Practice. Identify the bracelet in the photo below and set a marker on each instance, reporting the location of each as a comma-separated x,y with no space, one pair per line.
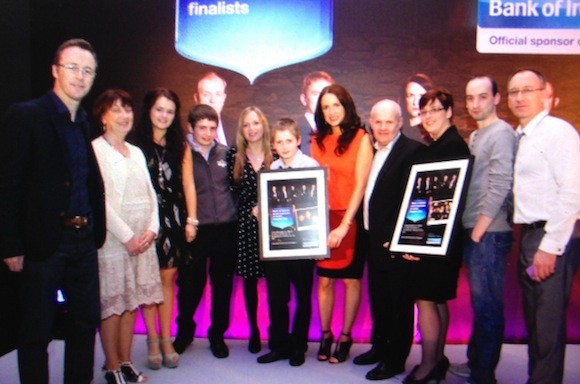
192,221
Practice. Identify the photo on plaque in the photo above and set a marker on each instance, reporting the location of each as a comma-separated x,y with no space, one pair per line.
293,214
430,205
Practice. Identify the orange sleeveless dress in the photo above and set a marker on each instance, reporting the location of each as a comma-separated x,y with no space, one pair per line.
340,186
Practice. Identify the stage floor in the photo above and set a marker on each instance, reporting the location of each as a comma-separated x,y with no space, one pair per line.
199,366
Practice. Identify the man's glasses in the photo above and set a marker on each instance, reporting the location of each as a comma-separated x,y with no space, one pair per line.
75,69
428,112
524,91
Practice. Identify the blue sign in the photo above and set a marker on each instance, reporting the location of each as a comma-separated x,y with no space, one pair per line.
529,27
418,210
254,36
281,217
545,14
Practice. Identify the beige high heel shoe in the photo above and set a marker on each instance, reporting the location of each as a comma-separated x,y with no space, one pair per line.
170,360
154,361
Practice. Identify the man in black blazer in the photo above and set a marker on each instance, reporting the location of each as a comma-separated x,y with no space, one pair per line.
312,84
211,90
53,216
391,306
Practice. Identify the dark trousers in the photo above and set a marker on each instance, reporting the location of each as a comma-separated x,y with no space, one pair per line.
216,243
392,312
390,303
280,274
545,306
74,269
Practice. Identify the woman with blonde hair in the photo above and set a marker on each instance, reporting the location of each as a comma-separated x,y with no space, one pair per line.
251,154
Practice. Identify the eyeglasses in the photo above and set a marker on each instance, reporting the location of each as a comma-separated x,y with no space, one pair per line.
75,69
525,91
432,111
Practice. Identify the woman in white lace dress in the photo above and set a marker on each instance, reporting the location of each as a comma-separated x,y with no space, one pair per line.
128,264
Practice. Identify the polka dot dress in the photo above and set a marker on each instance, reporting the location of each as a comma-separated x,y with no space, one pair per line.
248,260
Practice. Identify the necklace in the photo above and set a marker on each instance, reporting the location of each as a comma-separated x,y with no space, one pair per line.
160,160
255,160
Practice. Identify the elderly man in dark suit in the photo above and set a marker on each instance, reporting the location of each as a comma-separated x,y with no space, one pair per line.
391,305
53,216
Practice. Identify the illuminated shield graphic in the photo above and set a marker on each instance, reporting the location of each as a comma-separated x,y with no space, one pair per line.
254,36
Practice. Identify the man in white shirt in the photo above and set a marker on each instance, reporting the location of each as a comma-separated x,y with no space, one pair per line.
211,90
546,203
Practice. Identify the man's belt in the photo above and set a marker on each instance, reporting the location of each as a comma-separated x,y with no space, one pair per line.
534,225
76,222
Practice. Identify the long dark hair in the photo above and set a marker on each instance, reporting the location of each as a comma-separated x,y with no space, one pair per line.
419,78
349,126
143,135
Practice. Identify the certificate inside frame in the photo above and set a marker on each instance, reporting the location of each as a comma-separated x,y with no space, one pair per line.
428,213
293,221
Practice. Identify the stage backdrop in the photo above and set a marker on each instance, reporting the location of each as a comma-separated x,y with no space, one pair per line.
369,46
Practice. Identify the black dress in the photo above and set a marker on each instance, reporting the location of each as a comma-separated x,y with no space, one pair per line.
166,179
248,262
435,278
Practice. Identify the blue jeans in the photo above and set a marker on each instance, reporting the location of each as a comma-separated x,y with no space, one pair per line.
485,262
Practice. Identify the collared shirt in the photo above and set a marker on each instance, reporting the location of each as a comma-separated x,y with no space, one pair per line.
547,179
300,160
379,159
76,155
221,134
493,147
196,147
310,118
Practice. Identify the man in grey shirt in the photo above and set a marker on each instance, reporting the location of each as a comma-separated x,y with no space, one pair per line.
488,235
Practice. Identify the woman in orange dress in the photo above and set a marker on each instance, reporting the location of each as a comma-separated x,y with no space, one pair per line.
344,147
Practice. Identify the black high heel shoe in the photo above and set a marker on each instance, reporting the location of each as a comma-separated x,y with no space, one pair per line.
437,373
255,344
325,345
131,373
114,377
342,349
443,365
